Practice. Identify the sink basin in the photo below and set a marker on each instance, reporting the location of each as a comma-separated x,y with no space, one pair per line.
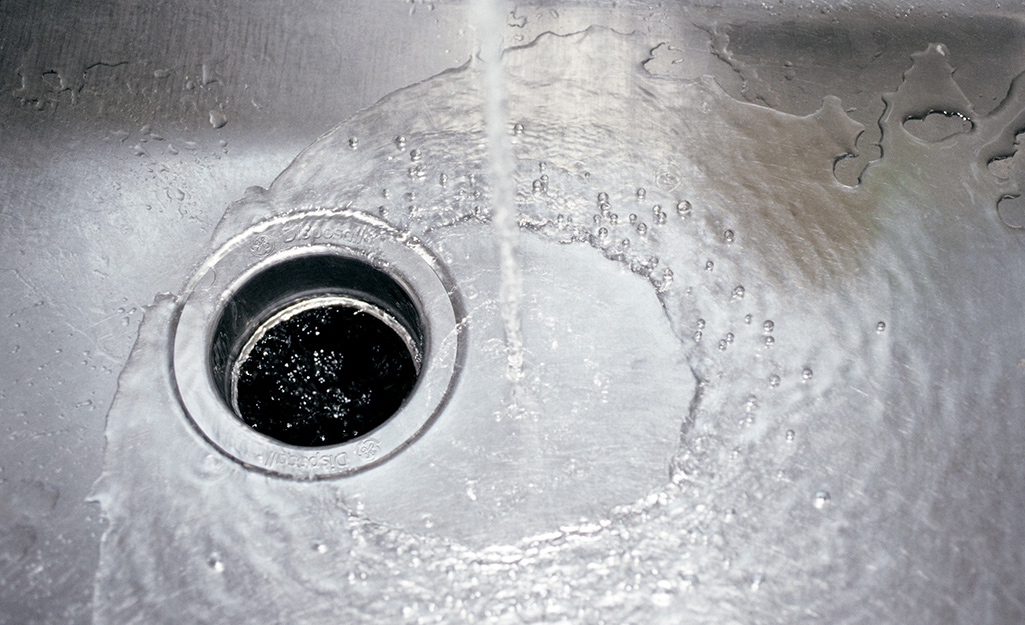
714,311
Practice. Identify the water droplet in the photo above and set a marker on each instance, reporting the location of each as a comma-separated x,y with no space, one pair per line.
633,218
806,374
729,515
738,292
641,228
415,155
722,345
518,129
727,237
768,326
626,243
400,142
443,179
747,319
613,218
769,341
709,265
697,336
538,187
729,337
353,142
216,564
790,435
701,324
603,232
641,193
881,327
218,119
603,198
821,499
321,548
773,380
756,581
683,208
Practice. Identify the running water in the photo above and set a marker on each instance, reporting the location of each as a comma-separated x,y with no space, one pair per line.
701,288
504,219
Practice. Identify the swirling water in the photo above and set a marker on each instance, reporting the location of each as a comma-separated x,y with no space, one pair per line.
848,370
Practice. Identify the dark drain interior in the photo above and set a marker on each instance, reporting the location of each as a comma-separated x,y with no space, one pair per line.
317,350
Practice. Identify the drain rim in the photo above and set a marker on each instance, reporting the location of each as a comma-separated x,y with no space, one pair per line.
345,234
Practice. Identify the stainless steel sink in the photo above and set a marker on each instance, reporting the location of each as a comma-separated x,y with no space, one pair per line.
760,356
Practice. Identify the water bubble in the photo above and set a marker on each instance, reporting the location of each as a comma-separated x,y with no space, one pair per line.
821,499
604,207
790,435
701,324
632,218
400,142
729,337
415,155
641,228
697,336
353,142
806,374
518,129
727,237
683,207
738,292
709,265
881,327
768,326
769,341
722,345
613,218
773,380
641,193
747,319
603,198
626,243
538,187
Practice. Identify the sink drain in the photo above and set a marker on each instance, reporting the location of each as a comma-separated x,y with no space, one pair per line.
315,345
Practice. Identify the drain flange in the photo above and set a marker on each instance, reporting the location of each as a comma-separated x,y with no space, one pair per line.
317,344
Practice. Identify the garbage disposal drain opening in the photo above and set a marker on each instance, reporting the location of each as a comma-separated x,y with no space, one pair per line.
317,350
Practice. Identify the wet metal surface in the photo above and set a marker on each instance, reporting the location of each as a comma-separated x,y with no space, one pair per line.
888,432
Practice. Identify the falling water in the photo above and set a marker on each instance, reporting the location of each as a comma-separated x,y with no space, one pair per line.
490,14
